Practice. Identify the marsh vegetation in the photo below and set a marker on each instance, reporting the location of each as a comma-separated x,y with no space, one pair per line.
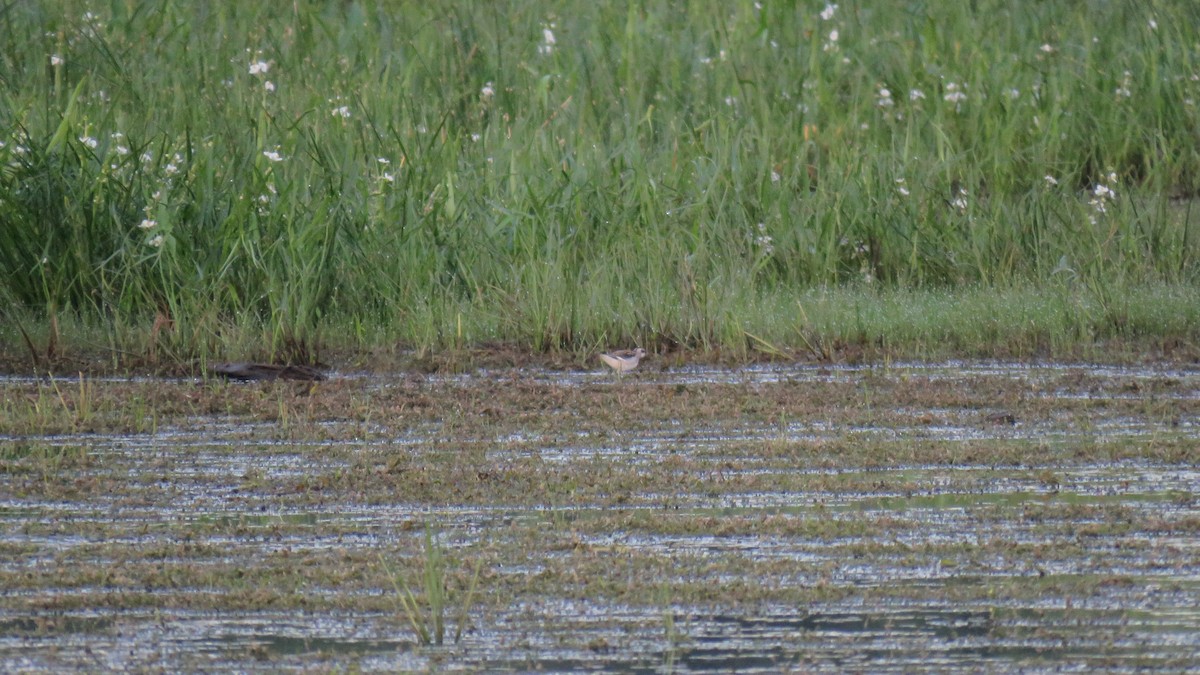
799,210
188,181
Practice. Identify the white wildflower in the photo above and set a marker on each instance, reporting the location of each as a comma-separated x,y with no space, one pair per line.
269,86
342,111
273,155
1047,48
1101,196
953,94
764,241
56,60
89,141
156,241
548,41
916,95
1126,81
831,44
827,13
885,98
488,90
148,224
259,67
1050,180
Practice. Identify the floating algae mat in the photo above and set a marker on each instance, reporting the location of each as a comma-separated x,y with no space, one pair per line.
977,516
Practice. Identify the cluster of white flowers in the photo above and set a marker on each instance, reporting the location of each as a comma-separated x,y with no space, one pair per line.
1102,195
149,223
1126,82
385,175
261,67
885,98
266,199
901,187
548,40
959,200
954,93
831,44
764,242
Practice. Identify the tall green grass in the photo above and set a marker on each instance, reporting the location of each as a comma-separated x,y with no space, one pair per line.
561,175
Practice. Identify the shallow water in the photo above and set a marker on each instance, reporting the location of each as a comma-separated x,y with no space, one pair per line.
722,544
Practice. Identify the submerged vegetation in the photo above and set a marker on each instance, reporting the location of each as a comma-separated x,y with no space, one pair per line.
775,518
189,179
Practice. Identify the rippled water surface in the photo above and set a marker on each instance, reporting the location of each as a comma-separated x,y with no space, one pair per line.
978,516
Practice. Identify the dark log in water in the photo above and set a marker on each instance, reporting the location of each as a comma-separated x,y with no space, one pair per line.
247,372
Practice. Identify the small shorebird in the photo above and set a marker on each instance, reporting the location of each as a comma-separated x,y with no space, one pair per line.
624,360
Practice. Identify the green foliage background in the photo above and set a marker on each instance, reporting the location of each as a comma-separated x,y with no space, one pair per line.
562,175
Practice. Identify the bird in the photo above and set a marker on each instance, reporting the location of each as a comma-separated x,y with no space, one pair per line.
624,360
